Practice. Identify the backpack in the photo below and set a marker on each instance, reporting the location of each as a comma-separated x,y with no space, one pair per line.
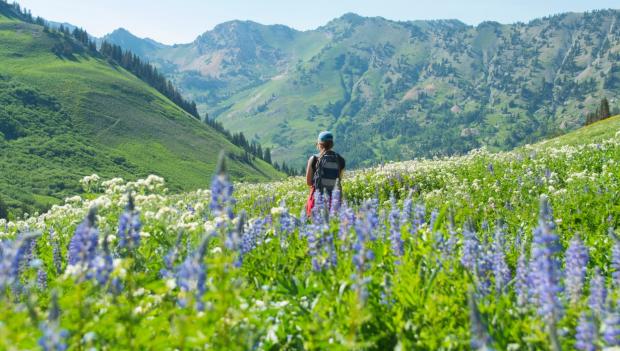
326,172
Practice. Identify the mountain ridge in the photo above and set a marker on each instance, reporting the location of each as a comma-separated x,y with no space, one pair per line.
403,89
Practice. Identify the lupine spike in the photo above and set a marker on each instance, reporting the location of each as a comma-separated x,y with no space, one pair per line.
405,217
521,283
335,199
576,263
545,267
83,245
615,258
611,328
55,251
501,271
221,190
129,226
586,334
395,236
598,294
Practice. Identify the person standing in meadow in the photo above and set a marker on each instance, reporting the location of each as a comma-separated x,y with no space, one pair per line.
324,170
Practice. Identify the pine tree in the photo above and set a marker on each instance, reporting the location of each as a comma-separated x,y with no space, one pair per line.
4,211
267,155
604,109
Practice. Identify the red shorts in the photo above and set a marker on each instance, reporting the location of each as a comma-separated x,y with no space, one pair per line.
310,202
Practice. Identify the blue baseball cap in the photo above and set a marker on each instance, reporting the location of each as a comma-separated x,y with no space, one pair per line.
325,136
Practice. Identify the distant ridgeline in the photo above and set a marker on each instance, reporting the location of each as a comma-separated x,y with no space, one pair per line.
397,89
146,72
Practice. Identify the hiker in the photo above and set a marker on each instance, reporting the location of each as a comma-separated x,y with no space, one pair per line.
324,171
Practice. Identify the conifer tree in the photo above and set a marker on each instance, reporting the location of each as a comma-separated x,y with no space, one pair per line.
604,109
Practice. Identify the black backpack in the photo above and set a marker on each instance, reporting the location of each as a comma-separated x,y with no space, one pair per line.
326,172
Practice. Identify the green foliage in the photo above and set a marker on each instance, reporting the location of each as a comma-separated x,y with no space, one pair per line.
73,114
602,112
276,300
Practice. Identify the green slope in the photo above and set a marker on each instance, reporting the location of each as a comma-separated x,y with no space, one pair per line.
593,133
68,116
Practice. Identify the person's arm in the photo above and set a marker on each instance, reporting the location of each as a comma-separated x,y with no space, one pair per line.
309,172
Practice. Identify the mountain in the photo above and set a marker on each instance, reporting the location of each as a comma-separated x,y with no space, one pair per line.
58,25
398,90
68,112
139,46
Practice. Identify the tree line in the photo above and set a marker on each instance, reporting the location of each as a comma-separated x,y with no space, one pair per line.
601,113
150,75
253,148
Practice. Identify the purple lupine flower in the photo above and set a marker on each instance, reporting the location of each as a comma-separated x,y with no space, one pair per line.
611,328
521,279
303,217
471,248
251,236
12,255
314,231
41,278
287,221
362,253
314,242
484,268
395,235
222,190
319,213
405,216
615,258
586,334
598,294
576,264
54,337
83,244
370,210
191,276
433,221
335,200
129,227
56,255
419,215
480,338
347,219
450,244
501,272
382,230
102,265
545,267
490,168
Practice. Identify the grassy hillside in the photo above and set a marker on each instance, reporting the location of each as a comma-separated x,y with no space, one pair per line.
516,250
398,90
67,116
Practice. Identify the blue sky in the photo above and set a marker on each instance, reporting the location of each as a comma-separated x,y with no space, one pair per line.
180,21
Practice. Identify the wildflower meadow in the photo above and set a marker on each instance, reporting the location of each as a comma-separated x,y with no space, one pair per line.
508,251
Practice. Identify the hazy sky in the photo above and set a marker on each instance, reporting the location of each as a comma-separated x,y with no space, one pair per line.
180,21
